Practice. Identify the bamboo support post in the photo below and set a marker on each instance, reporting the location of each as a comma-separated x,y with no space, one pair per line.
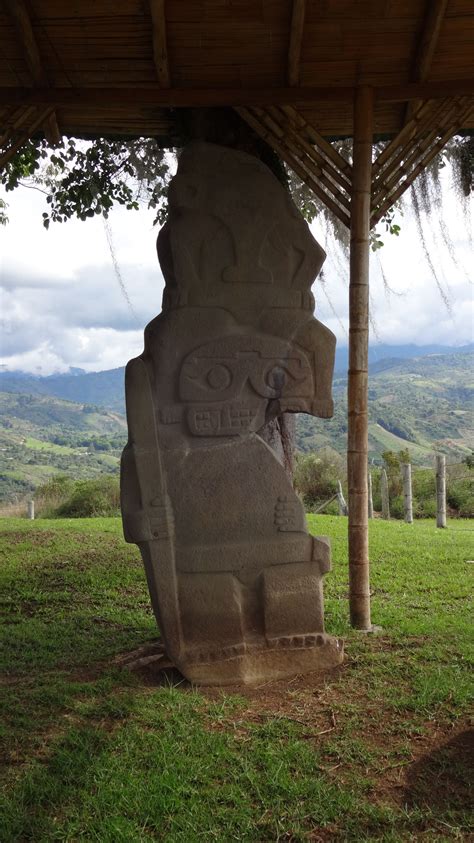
407,493
359,585
370,501
385,495
440,490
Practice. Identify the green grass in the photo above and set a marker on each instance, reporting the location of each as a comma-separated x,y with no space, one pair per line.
42,445
374,752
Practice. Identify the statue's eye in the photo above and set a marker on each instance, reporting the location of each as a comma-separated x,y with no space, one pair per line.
219,377
276,378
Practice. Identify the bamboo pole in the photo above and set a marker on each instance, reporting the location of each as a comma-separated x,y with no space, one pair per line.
341,500
357,432
370,501
440,490
407,493
384,495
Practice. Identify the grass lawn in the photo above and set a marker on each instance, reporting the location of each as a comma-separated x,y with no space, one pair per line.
376,751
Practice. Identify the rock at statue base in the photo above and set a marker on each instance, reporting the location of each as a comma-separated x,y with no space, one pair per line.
234,577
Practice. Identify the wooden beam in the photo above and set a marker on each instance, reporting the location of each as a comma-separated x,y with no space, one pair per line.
429,39
160,48
209,97
296,40
21,20
426,48
357,430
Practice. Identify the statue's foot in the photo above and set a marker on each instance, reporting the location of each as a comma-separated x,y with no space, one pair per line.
252,664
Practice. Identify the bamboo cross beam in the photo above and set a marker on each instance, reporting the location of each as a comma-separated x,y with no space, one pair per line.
315,138
409,156
423,116
313,152
42,115
427,158
14,122
429,128
309,156
294,162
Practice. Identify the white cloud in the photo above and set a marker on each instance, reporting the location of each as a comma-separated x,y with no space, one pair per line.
62,304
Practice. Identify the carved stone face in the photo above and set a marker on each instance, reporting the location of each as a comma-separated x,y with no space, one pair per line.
229,383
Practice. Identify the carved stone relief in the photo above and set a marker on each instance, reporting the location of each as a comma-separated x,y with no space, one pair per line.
234,577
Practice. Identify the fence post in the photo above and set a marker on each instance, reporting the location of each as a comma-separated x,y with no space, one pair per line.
340,499
384,495
407,494
440,490
31,510
370,500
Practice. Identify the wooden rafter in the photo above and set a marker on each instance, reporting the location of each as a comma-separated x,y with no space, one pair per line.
160,48
21,20
426,47
296,41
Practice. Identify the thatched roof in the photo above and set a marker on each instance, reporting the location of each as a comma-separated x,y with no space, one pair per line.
118,66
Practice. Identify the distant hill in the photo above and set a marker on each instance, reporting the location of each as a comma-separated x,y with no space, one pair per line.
41,436
380,352
421,403
106,389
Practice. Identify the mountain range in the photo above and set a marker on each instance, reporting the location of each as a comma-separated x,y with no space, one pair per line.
106,389
74,424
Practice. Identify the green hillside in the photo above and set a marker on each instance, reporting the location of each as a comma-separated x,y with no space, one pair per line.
421,404
42,436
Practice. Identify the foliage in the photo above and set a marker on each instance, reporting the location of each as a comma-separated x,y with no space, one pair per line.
91,752
91,499
316,475
84,179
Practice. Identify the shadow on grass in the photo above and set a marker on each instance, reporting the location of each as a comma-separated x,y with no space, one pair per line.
442,780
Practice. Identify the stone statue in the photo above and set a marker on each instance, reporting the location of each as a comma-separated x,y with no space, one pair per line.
235,579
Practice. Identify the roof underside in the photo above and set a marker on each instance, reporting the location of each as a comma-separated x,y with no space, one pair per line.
243,45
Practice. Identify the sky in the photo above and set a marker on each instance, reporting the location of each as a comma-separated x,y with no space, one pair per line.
63,306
